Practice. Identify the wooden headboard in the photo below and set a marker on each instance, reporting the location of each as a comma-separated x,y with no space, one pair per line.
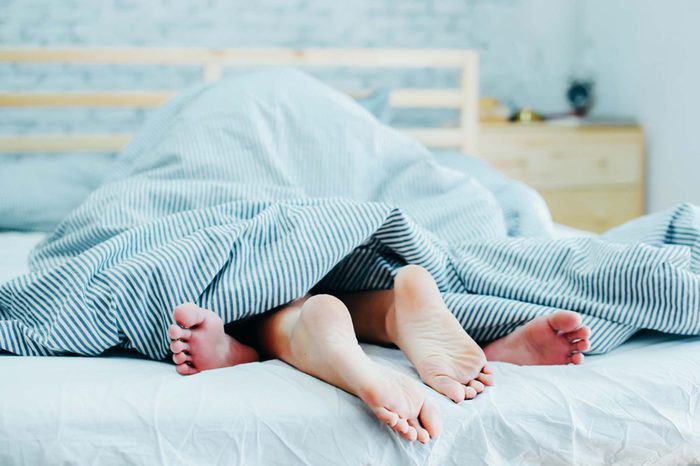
465,98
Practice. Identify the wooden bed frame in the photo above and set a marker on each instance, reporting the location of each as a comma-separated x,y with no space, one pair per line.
465,98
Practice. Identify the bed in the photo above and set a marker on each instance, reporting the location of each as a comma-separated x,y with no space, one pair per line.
639,404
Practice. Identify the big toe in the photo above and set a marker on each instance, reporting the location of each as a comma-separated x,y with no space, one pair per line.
189,315
430,419
565,321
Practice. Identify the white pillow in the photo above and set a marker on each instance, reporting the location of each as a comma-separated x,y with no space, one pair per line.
38,191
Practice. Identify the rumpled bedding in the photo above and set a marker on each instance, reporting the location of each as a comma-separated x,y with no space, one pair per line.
635,405
245,194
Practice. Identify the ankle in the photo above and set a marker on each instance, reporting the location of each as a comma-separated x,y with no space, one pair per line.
369,311
390,323
238,353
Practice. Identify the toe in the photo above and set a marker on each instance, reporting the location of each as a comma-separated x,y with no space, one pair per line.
477,386
396,422
469,393
411,434
189,315
181,358
178,346
581,345
430,419
401,426
576,358
175,332
185,369
390,418
583,333
421,434
448,387
486,379
564,321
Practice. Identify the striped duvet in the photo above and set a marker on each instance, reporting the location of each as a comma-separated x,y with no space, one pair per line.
243,195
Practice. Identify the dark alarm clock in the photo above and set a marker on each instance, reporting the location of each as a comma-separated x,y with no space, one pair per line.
580,96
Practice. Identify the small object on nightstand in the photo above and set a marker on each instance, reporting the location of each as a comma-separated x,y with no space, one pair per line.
491,110
580,97
525,115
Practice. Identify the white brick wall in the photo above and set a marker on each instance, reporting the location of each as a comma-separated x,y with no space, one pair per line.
526,45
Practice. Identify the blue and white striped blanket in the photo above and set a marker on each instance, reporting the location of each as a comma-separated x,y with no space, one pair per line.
246,194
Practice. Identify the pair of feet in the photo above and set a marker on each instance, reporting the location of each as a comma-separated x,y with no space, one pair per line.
323,344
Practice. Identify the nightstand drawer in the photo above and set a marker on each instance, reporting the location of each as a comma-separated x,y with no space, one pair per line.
591,177
554,157
594,209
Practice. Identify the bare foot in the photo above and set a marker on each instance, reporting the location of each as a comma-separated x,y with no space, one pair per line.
199,342
445,356
323,344
558,338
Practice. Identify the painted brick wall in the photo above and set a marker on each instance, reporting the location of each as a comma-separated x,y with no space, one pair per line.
526,45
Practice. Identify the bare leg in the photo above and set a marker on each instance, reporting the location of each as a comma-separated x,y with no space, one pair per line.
317,337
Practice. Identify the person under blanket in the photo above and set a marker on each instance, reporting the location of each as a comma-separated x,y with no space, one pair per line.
244,195
319,335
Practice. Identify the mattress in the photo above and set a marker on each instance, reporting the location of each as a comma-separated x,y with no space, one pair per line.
639,404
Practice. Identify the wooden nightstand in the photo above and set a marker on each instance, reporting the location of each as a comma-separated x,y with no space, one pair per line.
592,177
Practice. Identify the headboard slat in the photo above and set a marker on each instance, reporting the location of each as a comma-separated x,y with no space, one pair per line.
383,58
465,98
432,137
400,98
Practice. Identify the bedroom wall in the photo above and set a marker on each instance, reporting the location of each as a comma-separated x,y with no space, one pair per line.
643,55
639,51
525,44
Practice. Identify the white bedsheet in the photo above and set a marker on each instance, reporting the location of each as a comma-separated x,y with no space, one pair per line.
637,405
